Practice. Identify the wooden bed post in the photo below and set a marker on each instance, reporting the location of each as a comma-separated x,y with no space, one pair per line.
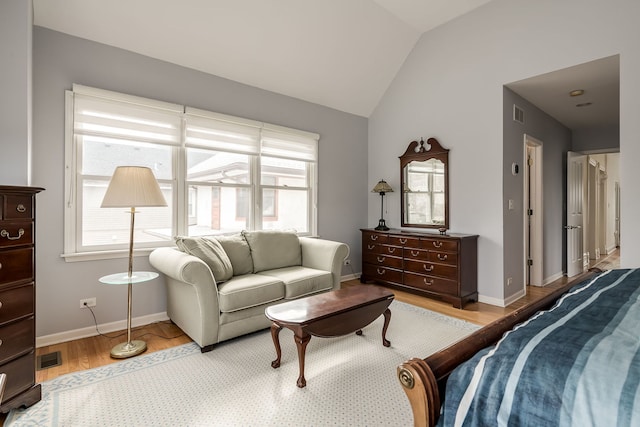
421,387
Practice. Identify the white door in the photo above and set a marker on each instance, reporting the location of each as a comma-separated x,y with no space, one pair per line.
576,165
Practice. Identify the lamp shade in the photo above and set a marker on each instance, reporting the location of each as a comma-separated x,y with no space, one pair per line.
382,187
133,186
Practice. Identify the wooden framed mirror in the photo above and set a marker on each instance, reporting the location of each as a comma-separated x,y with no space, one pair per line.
424,180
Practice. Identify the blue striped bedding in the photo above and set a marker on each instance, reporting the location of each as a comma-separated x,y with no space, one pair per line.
577,364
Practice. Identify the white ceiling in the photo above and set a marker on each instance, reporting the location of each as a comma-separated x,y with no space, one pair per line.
342,54
600,81
338,53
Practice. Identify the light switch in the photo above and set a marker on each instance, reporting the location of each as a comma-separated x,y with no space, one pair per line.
510,204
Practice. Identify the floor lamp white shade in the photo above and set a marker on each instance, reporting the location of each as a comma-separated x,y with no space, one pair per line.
132,187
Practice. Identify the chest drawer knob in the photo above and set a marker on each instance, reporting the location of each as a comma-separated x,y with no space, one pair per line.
442,257
381,258
374,237
381,271
20,208
5,233
371,246
416,253
430,268
437,244
391,250
403,241
428,282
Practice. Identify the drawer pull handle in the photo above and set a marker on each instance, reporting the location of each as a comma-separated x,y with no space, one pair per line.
381,271
374,237
430,268
0,304
381,258
391,250
0,342
442,257
403,241
20,208
0,266
437,244
416,253
5,233
428,282
371,246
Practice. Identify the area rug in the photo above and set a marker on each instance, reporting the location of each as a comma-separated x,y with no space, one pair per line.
351,380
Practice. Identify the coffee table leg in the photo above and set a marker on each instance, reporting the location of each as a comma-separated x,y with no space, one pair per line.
275,335
387,319
301,343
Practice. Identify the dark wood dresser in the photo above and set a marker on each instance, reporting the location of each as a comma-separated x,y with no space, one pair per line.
434,265
17,296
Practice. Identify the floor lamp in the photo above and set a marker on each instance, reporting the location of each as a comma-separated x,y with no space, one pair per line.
382,187
131,187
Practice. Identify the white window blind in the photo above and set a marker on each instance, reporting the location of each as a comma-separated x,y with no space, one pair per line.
219,132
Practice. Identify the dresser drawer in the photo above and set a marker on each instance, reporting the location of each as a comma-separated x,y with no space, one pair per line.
17,206
16,233
432,269
369,237
439,244
383,274
390,250
21,375
16,338
16,265
403,241
16,303
430,283
450,258
383,260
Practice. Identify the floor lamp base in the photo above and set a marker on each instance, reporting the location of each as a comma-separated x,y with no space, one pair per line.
128,349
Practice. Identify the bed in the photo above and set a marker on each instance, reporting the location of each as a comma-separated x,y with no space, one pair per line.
572,358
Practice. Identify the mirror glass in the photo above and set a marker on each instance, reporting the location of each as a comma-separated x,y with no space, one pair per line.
424,185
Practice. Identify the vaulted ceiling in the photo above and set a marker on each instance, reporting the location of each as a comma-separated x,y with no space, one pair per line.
341,54
338,53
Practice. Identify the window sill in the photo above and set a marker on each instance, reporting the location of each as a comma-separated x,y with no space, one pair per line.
101,255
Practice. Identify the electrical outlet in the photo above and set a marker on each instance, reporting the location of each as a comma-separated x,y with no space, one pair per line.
347,262
509,281
88,302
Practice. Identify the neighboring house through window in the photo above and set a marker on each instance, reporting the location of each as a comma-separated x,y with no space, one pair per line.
219,174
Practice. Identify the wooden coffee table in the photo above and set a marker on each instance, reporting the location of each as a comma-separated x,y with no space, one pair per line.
330,314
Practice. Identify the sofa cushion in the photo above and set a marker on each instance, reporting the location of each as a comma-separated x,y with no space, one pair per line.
301,281
249,290
273,249
211,252
239,253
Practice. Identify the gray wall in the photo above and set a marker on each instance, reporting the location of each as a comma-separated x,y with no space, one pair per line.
556,141
451,87
15,87
596,139
61,60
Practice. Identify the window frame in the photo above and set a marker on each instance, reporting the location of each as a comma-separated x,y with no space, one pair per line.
73,212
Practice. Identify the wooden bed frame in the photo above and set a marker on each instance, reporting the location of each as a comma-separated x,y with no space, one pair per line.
424,380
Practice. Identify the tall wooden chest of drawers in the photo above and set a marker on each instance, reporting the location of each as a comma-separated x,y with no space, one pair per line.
17,296
434,265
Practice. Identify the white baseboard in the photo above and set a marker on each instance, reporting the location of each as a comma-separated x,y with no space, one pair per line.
349,277
553,278
492,301
104,328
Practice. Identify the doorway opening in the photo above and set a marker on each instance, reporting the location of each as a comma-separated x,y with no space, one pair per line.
533,211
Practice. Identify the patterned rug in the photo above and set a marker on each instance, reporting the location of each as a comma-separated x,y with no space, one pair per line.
351,380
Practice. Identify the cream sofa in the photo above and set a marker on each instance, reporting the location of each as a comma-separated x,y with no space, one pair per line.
218,287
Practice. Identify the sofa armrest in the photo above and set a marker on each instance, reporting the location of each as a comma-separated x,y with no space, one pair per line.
324,255
192,294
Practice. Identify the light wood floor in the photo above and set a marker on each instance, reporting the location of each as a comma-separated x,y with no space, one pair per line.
94,351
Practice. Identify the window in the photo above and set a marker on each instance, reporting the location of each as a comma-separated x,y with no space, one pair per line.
219,174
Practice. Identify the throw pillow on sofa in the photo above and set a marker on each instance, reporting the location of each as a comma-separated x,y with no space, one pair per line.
211,252
273,249
239,253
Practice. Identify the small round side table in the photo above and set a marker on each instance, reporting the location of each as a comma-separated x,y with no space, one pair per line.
135,347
